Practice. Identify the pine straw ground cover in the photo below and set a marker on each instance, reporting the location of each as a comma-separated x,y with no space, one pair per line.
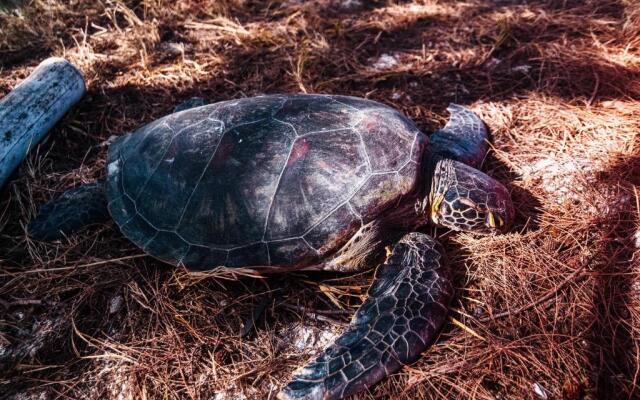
551,310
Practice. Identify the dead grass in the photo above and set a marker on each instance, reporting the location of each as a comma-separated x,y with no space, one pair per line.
551,309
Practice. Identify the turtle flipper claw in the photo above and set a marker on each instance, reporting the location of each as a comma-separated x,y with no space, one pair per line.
402,315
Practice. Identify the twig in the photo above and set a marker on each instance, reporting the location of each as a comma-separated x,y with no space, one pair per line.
595,89
317,314
465,328
93,264
323,312
19,302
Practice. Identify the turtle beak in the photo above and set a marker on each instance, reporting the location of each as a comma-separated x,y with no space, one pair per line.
495,221
435,206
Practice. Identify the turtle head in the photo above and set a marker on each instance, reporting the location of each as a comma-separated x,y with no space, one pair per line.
464,199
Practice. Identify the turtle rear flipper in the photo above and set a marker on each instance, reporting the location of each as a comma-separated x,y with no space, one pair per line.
405,308
74,209
464,138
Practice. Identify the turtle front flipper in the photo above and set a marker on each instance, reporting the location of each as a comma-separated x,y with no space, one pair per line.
403,313
464,138
76,208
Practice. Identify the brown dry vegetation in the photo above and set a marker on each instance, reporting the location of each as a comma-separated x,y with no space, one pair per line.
553,307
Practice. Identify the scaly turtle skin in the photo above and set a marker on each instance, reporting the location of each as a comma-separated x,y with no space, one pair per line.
287,182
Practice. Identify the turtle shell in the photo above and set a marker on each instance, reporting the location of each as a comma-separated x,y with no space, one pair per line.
265,181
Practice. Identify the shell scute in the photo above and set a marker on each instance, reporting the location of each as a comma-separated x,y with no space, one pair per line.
317,114
340,223
287,252
138,230
168,245
253,254
185,156
203,258
316,183
376,129
231,200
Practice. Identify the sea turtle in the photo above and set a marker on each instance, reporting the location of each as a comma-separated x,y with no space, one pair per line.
304,182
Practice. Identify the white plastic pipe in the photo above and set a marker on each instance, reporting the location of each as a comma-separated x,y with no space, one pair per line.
33,107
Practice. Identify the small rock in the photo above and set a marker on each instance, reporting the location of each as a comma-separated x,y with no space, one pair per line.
312,338
385,61
30,396
232,394
522,68
540,391
350,4
172,48
115,304
478,312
